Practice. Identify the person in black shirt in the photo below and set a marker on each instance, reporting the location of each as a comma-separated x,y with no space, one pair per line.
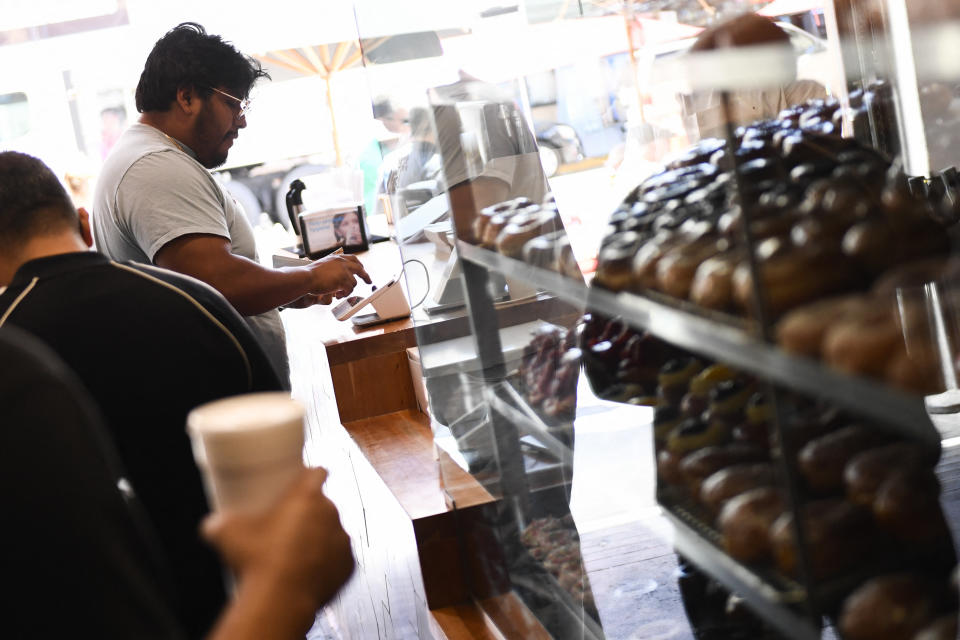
148,344
83,560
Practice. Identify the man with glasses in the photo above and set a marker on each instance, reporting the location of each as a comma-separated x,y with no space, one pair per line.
157,202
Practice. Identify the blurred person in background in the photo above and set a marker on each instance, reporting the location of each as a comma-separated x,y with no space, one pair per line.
391,126
704,109
415,161
113,120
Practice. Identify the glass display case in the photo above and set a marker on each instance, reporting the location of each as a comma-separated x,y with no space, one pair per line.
709,381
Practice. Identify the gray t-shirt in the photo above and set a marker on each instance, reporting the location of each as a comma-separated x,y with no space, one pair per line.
152,190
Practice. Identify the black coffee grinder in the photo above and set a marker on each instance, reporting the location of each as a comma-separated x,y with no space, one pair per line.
294,201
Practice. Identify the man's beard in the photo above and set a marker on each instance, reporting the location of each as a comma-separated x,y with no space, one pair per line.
204,125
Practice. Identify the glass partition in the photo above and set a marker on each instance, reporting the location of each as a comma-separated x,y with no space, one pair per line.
691,355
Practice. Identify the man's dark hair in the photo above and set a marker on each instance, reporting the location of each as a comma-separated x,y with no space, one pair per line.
187,56
337,221
33,201
382,107
744,30
420,126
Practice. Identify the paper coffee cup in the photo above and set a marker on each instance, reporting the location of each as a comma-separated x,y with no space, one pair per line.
249,448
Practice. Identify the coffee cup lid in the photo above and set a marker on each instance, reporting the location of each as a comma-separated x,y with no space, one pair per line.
245,430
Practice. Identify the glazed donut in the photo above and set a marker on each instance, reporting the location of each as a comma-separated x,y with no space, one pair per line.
695,433
677,267
674,379
696,154
745,522
697,398
615,261
774,224
712,285
879,244
494,225
666,418
800,430
915,274
823,230
837,535
907,505
861,343
648,256
917,369
756,426
822,460
802,330
866,471
793,276
668,467
700,464
728,399
486,214
525,226
552,252
889,607
731,481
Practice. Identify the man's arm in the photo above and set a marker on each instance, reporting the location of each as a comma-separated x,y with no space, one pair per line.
250,287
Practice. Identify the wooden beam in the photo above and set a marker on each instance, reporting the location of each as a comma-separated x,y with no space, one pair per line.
295,62
315,60
373,44
324,50
343,48
271,61
352,60
300,55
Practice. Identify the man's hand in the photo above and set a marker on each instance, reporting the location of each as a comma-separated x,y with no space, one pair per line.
297,552
337,275
249,286
309,300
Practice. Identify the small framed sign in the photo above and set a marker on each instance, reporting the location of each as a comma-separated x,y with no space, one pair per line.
327,230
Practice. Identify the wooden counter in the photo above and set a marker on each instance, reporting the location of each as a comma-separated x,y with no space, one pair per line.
364,426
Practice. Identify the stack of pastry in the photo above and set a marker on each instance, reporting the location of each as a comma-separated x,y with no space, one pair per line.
888,333
827,215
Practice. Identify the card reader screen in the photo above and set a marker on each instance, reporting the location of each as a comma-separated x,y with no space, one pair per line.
346,305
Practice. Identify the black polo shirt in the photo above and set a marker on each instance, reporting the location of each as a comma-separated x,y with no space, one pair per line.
149,345
79,559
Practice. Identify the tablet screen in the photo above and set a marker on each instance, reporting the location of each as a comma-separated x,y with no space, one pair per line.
329,229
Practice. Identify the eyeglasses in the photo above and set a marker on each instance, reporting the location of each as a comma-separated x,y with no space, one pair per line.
244,104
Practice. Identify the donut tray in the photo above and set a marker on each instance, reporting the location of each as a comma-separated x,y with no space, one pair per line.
726,339
564,615
541,584
697,538
772,584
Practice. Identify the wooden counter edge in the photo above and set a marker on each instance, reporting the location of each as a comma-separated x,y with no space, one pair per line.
496,618
400,447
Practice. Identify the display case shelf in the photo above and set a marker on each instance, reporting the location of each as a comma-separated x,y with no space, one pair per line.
575,616
769,594
729,342
508,401
769,602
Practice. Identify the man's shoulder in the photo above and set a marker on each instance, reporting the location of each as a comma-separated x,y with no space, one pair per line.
147,152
